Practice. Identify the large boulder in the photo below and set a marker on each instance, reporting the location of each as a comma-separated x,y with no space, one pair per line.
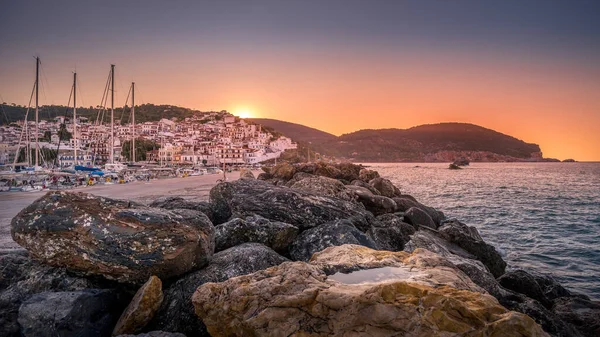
335,233
141,309
469,239
550,287
241,198
418,218
376,204
385,187
274,234
405,202
175,202
363,184
367,175
113,238
284,171
297,177
581,313
550,322
176,313
390,232
328,170
411,296
22,277
89,312
323,186
524,283
348,171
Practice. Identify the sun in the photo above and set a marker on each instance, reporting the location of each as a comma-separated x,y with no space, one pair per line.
244,113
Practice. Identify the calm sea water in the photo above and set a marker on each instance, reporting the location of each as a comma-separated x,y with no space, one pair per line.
540,216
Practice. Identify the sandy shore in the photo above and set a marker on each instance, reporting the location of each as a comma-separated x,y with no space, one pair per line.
197,188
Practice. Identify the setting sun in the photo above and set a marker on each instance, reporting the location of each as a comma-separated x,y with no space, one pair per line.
244,113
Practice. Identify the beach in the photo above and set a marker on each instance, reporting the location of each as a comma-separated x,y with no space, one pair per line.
196,187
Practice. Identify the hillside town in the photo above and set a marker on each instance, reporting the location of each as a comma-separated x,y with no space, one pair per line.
205,139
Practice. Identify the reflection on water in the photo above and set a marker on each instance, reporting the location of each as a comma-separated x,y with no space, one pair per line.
540,216
374,275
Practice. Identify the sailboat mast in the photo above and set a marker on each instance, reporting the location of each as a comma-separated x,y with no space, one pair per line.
37,122
75,117
133,119
112,114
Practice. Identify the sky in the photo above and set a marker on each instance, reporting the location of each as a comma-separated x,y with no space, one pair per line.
530,69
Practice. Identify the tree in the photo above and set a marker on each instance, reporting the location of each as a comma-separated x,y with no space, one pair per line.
141,147
47,136
63,134
204,162
46,154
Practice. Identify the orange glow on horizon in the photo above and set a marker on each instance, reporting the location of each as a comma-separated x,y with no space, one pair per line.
553,104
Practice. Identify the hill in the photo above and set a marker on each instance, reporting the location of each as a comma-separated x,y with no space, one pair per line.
297,132
433,142
442,142
143,113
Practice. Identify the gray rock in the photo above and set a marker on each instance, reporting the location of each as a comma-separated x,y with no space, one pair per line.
378,204
297,177
367,175
89,312
404,202
550,287
156,334
581,313
176,313
550,322
469,239
363,184
22,277
274,234
385,187
417,217
112,238
335,233
241,198
264,176
173,202
323,186
524,283
348,171
390,232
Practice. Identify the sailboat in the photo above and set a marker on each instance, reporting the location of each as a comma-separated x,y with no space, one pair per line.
36,168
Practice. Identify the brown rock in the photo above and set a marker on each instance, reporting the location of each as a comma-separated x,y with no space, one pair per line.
283,171
142,308
385,187
116,239
299,299
246,174
367,175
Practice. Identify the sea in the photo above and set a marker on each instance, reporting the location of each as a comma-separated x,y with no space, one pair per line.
543,217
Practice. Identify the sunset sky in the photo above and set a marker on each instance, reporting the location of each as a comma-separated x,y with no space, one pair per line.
530,69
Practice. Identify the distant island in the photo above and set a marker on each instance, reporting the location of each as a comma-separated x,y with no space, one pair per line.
443,142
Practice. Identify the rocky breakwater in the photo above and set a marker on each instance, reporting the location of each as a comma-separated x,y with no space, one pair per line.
308,250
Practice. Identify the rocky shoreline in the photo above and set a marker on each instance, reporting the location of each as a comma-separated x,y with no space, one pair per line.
301,250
